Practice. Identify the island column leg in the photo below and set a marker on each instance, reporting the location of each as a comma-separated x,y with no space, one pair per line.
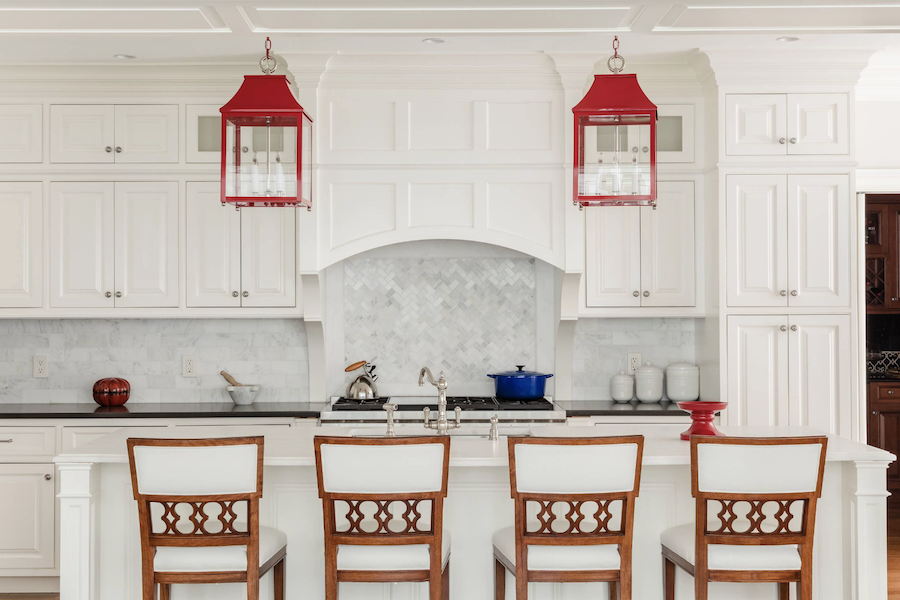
79,495
867,487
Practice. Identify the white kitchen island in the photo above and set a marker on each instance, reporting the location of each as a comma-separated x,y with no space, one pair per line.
100,549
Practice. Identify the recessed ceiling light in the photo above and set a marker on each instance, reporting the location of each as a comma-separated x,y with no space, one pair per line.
124,56
433,41
787,38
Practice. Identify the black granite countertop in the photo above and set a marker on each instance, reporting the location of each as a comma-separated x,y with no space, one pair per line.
150,410
607,408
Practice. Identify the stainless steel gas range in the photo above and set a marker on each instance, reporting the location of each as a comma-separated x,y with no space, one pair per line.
410,409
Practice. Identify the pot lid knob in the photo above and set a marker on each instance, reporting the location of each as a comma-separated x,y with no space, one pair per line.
520,367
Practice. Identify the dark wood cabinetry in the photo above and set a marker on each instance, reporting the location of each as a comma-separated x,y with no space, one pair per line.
882,252
884,423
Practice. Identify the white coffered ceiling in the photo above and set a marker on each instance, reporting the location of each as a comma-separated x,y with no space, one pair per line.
91,31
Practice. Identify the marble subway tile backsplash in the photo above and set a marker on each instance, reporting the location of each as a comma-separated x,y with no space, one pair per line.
601,346
148,353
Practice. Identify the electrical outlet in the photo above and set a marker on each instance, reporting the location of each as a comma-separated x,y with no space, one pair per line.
189,366
634,361
41,367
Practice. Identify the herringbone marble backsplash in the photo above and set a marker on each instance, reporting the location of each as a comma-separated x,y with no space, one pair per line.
466,316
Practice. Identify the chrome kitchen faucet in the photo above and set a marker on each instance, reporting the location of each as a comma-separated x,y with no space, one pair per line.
442,425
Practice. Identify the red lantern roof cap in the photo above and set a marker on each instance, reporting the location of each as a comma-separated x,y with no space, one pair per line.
269,94
615,93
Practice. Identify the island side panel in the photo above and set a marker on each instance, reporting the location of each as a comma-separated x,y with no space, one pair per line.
79,511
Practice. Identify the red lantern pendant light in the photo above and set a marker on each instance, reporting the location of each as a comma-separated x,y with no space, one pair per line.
266,143
615,141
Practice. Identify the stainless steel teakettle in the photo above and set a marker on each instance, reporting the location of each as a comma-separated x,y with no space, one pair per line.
363,387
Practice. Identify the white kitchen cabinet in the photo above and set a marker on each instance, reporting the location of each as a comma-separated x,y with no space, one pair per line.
674,134
87,133
817,124
203,133
27,516
21,244
146,133
788,240
238,258
113,245
789,370
21,133
268,257
782,124
146,241
213,248
82,133
82,244
818,240
641,256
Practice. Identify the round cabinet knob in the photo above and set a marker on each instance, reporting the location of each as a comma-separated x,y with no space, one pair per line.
784,292
793,140
646,294
793,328
636,293
635,149
108,294
48,477
118,149
793,292
245,294
891,392
784,327
245,149
235,294
108,148
118,294
781,140
645,149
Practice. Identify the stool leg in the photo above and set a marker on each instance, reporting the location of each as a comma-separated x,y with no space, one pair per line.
784,591
164,591
669,578
278,575
499,580
445,582
613,594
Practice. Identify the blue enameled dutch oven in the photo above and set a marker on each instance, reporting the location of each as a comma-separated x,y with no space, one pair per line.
519,385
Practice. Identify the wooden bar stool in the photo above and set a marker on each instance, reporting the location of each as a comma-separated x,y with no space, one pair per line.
198,508
755,514
595,482
383,503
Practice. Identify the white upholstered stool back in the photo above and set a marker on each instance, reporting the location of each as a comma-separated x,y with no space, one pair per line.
739,468
586,465
395,468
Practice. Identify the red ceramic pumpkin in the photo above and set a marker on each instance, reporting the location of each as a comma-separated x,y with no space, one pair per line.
111,391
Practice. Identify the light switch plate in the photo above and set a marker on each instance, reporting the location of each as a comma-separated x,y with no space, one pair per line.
41,367
189,366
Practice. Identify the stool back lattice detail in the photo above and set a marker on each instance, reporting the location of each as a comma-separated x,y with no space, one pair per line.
201,475
584,491
384,492
778,481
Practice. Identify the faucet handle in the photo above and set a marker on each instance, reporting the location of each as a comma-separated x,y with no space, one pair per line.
389,408
494,433
458,412
427,412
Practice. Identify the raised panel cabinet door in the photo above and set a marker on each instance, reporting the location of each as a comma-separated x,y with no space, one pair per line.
820,362
817,124
213,248
146,133
756,245
82,252
82,133
27,516
667,247
146,244
613,261
21,244
268,257
21,133
757,370
819,240
755,124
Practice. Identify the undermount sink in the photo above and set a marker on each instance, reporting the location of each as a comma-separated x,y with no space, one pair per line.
468,432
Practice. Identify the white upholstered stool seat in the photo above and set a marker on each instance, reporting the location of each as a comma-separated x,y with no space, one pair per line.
604,557
680,540
184,559
389,558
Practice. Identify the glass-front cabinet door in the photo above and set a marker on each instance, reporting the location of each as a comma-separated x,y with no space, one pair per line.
882,227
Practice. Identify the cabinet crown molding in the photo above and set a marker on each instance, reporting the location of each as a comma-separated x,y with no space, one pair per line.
766,69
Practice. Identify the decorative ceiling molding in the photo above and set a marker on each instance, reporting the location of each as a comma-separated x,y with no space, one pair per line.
880,81
795,16
117,19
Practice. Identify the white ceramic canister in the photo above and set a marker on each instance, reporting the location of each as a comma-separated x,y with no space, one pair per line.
682,382
648,383
621,387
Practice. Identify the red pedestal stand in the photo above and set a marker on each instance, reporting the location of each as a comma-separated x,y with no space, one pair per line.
702,415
